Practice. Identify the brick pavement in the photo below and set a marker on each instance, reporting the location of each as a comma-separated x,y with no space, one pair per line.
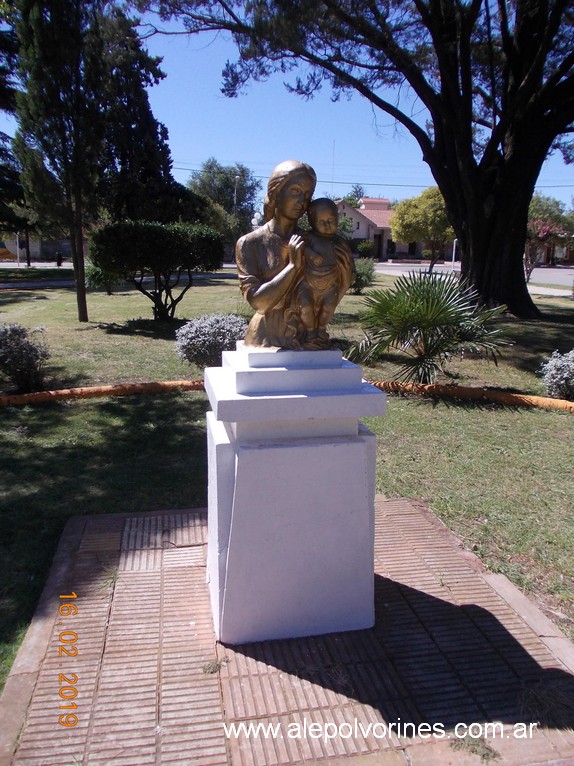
140,668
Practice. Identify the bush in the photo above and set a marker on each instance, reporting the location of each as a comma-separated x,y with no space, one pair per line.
171,253
202,340
366,248
22,357
428,317
97,278
364,275
558,375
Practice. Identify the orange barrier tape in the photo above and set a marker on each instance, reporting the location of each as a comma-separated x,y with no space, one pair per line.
480,394
391,386
90,392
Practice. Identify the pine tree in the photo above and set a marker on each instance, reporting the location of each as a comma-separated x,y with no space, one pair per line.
10,189
61,123
136,181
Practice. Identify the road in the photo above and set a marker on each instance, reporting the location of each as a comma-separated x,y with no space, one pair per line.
561,277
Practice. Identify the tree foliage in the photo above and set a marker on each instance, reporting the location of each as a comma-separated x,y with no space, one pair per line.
233,187
170,253
493,86
136,181
354,197
423,219
10,187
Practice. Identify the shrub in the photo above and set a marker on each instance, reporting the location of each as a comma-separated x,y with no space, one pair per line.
171,253
97,278
22,357
428,317
202,340
366,248
558,375
364,275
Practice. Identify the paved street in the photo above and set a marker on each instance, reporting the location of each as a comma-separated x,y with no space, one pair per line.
561,278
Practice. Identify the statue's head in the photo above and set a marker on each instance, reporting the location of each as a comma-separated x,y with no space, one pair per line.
323,216
285,174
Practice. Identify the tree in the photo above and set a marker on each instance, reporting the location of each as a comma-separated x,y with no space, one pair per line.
61,124
423,219
234,187
355,195
494,85
171,252
136,182
10,187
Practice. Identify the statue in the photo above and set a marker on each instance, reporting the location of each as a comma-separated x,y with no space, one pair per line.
328,271
293,280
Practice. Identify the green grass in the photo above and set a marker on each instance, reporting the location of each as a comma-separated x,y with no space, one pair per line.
534,283
501,478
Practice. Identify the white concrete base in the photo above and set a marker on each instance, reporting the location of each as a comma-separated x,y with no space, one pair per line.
291,498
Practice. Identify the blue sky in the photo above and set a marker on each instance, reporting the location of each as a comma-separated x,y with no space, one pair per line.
346,142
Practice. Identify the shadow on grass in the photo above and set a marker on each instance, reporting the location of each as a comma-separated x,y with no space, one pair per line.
59,377
214,278
133,454
8,297
147,328
434,401
535,340
27,274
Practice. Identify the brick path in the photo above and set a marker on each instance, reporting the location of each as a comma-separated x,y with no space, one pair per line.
452,645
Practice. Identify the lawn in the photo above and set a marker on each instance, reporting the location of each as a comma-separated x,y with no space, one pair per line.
501,478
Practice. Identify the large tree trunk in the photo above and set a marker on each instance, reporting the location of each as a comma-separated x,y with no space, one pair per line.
488,209
493,252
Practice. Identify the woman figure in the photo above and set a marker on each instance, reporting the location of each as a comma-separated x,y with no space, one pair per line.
270,259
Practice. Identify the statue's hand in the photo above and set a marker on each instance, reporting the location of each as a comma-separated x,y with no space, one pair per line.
296,250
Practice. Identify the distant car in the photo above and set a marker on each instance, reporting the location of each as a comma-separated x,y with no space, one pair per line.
6,255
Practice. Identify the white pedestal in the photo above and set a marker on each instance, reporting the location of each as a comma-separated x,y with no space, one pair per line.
291,494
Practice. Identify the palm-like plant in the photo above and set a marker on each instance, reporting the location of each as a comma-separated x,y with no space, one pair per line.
429,317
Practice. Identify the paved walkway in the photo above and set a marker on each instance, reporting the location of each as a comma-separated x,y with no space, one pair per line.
453,646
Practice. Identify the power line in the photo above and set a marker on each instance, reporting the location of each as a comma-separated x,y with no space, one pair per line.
378,184
322,181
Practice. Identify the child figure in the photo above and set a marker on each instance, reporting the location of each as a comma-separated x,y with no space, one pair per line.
328,271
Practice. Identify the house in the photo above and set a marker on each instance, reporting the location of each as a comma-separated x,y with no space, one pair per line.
14,246
372,221
555,252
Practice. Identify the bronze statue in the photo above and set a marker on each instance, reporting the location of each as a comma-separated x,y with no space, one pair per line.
293,280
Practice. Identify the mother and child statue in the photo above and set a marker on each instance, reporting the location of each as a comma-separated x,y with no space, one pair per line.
293,280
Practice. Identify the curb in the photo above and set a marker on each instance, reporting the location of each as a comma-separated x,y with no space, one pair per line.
478,394
390,386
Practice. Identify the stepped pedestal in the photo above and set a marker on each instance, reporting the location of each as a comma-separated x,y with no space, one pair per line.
291,494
